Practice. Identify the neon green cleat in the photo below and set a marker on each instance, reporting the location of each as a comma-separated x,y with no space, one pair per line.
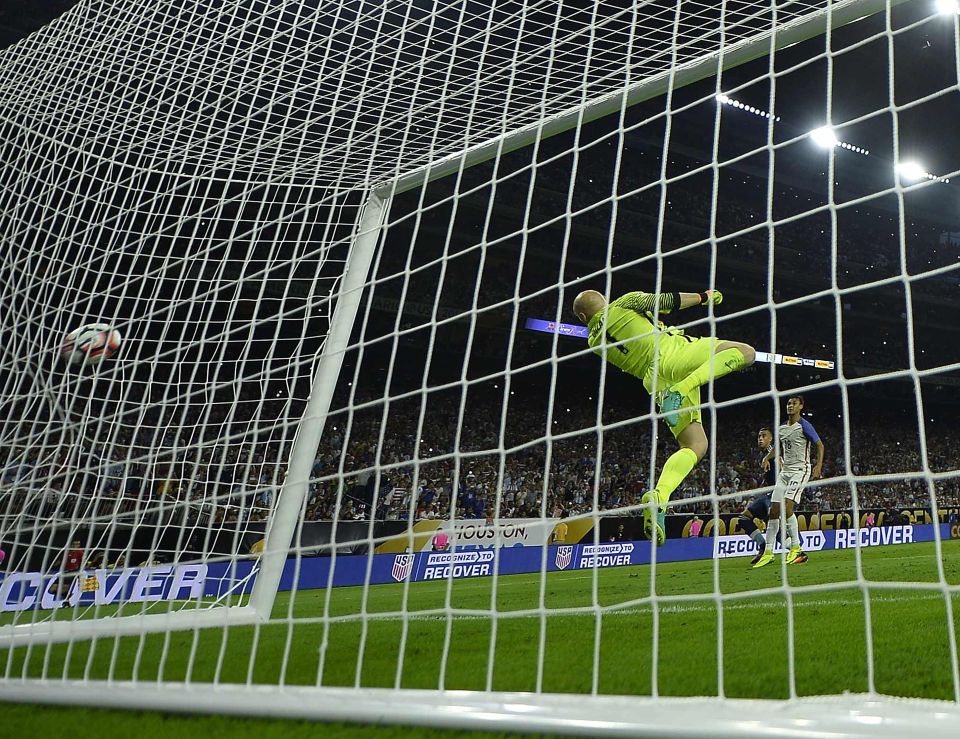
793,554
766,559
670,408
654,519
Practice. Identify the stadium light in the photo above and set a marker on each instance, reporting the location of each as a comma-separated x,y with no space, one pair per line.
726,100
914,171
824,137
948,7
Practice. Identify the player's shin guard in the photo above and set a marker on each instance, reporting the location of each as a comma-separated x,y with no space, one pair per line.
676,468
720,364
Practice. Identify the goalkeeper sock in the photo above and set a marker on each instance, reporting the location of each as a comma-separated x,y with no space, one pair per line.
677,467
758,537
773,526
793,531
722,363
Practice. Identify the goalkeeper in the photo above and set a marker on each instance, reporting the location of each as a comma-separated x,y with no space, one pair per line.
627,332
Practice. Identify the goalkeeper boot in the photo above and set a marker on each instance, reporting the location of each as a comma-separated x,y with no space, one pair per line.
654,519
793,554
765,559
758,555
670,407
799,559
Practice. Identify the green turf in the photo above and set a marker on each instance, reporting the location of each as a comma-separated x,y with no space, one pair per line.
535,645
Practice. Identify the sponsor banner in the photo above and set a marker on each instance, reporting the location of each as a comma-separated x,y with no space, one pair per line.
25,590
479,533
474,533
440,566
551,327
795,361
321,572
872,537
742,546
29,590
615,554
678,525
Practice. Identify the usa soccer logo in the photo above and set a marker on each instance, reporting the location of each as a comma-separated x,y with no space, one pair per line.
402,564
564,556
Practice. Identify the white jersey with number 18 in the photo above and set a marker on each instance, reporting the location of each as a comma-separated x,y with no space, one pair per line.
795,441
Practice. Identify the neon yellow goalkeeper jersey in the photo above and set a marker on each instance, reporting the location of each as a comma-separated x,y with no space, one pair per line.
632,319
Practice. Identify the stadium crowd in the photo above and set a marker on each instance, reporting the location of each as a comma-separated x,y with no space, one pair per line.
234,484
624,473
164,460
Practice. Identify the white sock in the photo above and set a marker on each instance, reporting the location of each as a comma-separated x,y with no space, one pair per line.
757,536
773,526
793,531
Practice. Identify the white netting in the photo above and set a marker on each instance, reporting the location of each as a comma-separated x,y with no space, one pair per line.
295,88
222,293
249,192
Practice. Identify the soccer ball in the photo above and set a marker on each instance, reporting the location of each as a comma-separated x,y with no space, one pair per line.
90,344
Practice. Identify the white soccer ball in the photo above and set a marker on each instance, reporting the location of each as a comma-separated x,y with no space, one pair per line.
90,344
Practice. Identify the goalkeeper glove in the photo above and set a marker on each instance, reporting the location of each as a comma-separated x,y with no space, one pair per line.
711,296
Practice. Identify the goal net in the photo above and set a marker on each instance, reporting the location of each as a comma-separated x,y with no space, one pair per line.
354,452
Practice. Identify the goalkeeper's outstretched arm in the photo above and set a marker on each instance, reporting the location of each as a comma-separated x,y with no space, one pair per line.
590,302
667,302
688,300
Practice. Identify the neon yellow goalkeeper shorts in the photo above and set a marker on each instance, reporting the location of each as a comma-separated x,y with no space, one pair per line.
679,356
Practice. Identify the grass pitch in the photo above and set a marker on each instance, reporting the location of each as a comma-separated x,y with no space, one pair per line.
711,628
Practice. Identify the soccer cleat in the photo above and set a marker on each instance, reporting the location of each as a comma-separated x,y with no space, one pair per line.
799,559
758,555
793,554
670,407
765,559
654,519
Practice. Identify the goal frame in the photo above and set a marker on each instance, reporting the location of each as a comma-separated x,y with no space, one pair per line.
849,715
856,716
282,525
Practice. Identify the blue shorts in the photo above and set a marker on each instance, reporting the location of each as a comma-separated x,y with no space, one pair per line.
760,507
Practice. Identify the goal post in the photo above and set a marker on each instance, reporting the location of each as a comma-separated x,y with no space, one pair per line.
857,717
280,532
230,188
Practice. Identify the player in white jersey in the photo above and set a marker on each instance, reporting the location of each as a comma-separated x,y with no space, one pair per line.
795,439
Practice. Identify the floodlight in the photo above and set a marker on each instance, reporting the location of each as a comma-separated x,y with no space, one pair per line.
911,171
947,7
824,136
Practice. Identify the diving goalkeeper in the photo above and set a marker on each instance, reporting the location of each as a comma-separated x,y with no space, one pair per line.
627,332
